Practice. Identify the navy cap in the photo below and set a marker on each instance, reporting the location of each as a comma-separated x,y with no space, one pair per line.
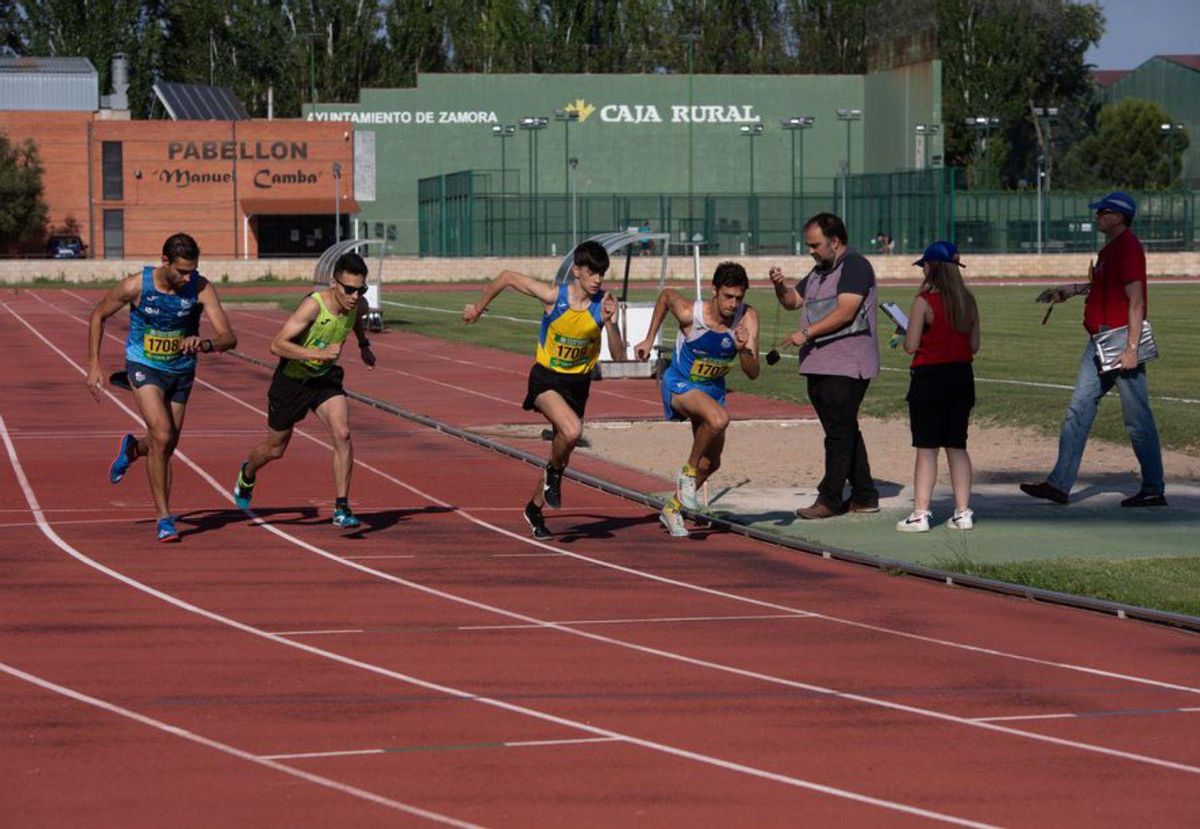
1122,203
940,252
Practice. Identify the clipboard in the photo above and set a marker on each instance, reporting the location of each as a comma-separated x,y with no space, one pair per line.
896,314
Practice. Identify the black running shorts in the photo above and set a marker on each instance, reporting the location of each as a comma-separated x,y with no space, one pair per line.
573,388
289,401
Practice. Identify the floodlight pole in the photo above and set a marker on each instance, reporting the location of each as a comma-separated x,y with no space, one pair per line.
796,124
1041,160
566,116
533,123
573,163
691,38
1170,131
337,202
849,116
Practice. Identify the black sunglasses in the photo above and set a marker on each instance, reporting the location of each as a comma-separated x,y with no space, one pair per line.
350,289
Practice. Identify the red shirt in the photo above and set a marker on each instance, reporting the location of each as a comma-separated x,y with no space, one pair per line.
1120,262
940,343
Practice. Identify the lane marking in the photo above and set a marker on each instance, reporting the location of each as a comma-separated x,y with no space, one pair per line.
647,620
450,747
833,693
1085,715
446,690
232,751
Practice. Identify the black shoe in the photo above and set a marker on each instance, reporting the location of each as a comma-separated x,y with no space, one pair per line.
552,487
533,517
1142,499
1045,489
860,506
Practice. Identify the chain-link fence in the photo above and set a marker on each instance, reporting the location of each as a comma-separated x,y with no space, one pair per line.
466,214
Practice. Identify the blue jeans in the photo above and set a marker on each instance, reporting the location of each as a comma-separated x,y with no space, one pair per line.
1090,387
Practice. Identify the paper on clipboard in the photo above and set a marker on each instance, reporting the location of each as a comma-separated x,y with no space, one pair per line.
896,313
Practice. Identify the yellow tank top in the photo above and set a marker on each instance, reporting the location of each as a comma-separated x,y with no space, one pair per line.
569,341
327,329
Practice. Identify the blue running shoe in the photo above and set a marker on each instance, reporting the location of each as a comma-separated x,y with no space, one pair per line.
243,490
120,464
344,518
166,529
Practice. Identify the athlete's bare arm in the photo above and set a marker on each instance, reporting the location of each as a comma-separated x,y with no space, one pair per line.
297,324
120,295
223,337
671,300
364,344
745,335
545,291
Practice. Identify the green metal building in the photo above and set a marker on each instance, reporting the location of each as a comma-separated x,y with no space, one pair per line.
1173,81
677,153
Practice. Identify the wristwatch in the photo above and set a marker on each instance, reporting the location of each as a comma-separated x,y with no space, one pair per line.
804,334
206,345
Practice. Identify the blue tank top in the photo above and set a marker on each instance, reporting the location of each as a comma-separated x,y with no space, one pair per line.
160,322
705,356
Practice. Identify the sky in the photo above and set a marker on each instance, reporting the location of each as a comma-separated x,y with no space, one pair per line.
1139,29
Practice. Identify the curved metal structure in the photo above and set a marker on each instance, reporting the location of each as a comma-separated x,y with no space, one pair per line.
324,269
614,242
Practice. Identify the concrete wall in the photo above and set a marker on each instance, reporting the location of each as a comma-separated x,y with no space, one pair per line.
411,269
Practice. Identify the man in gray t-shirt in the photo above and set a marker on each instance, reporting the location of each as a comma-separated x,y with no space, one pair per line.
838,356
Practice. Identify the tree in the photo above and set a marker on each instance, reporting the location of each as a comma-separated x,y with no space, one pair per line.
1128,150
22,211
1001,56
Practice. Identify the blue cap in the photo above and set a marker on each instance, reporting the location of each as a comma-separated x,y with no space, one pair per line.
1122,203
939,252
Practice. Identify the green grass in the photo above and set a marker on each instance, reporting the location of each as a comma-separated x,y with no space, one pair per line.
1016,346
1171,584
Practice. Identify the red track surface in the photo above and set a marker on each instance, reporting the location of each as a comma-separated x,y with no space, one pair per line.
445,667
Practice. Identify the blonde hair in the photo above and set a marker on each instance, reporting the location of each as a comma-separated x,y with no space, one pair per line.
961,309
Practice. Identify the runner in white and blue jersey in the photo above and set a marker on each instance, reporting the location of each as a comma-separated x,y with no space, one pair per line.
165,305
713,335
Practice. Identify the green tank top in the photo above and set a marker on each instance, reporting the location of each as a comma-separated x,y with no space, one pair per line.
327,329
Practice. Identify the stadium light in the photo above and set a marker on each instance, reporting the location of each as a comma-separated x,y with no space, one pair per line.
797,124
983,125
503,132
849,116
751,131
566,116
1047,116
1169,131
925,132
533,124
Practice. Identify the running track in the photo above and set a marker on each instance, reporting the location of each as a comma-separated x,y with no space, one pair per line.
442,667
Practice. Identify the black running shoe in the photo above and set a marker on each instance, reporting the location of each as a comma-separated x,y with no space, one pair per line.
552,487
533,517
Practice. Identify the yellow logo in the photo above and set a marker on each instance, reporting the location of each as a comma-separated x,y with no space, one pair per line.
582,107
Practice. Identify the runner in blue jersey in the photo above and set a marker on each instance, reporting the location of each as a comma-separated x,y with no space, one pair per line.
165,304
713,335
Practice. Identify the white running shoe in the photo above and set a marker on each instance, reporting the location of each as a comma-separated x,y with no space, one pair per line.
685,490
918,522
964,520
673,521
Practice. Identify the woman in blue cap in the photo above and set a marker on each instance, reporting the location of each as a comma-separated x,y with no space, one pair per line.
943,336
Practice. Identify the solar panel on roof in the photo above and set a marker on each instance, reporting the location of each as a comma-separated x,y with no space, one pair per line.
192,102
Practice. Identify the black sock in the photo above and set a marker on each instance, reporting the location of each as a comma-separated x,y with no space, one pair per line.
534,507
341,503
247,478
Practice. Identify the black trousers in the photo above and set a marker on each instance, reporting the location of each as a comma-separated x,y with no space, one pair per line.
837,400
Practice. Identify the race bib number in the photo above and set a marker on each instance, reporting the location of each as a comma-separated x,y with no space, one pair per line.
316,366
708,369
570,352
162,346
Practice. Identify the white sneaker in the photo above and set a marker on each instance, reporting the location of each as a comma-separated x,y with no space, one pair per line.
964,520
685,490
918,522
673,521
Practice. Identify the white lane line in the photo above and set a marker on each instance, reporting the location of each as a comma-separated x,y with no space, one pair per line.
1035,385
124,521
232,751
366,558
446,690
664,580
510,744
646,621
580,741
650,620
1137,712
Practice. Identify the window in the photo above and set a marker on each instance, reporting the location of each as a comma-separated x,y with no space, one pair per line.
112,171
114,234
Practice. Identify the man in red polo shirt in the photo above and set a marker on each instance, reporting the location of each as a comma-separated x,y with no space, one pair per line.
1116,297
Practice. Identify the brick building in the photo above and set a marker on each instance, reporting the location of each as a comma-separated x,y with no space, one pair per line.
242,188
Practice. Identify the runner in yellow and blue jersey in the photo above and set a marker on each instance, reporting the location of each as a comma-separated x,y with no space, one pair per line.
309,379
165,304
713,335
568,348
